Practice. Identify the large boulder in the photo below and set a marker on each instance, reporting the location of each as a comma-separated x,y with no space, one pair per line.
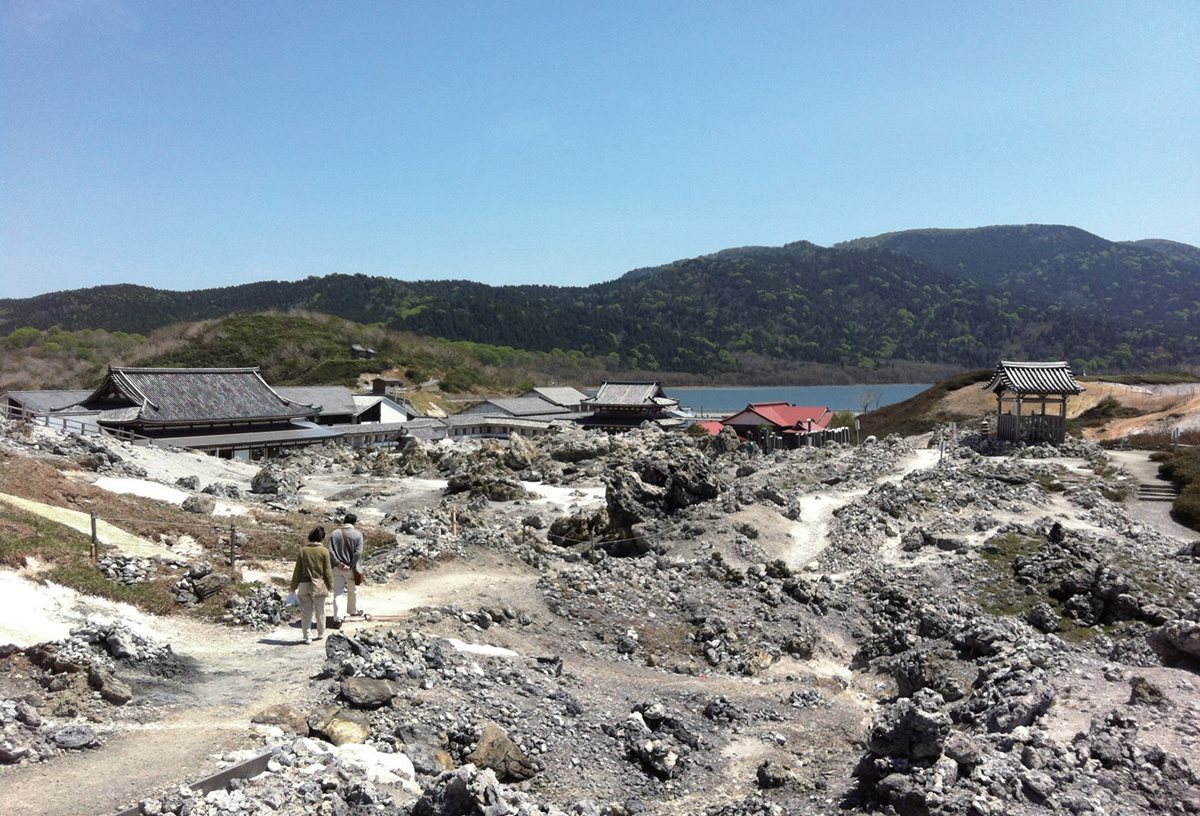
912,728
211,584
495,751
660,485
341,726
201,503
724,442
1177,640
365,692
576,445
272,479
577,529
109,687
75,736
489,485
521,453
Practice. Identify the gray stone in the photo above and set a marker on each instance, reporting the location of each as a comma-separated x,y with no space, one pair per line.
365,692
913,728
28,715
200,503
75,736
13,749
109,687
211,584
1176,640
773,775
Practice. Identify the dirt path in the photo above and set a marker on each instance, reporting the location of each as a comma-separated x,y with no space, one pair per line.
241,674
809,536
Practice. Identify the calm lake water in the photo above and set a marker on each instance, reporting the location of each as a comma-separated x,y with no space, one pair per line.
837,397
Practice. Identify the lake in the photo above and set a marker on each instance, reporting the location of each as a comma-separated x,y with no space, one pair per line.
836,397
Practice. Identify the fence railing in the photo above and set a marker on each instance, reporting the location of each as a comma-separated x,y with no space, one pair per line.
69,425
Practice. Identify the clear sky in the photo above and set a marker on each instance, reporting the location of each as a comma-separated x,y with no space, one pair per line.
186,145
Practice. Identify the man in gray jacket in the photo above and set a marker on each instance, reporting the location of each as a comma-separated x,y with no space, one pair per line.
346,550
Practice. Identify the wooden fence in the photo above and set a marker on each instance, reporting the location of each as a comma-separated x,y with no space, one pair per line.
1034,429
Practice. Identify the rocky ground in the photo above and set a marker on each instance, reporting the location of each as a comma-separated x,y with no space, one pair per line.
651,624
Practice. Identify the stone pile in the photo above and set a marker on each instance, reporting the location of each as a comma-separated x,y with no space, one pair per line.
90,453
982,635
71,684
127,569
200,582
261,608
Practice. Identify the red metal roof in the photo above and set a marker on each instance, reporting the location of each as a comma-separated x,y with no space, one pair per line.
713,426
783,415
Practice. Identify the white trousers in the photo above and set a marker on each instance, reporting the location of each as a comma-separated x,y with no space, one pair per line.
343,580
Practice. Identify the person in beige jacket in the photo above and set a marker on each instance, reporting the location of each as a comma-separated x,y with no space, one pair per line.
312,580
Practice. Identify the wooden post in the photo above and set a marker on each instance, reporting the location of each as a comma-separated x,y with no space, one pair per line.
453,521
232,541
95,539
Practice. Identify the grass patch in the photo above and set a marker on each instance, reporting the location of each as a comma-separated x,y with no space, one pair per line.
66,557
156,596
1153,441
1001,594
921,413
26,535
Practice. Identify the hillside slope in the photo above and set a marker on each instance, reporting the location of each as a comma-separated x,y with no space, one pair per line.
954,297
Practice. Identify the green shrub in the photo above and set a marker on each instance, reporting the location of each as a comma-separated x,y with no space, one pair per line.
1182,467
1186,508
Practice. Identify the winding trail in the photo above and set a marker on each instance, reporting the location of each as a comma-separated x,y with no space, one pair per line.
810,535
241,673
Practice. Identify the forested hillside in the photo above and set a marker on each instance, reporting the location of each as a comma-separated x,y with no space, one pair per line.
1153,287
959,298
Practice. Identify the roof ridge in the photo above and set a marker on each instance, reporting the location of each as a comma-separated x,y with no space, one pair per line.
172,370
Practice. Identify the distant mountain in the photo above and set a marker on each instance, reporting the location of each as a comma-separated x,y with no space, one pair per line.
1150,285
1174,250
953,297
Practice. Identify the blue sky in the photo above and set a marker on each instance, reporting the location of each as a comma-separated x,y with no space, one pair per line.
185,145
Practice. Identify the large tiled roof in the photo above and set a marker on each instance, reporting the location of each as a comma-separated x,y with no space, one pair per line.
46,401
560,395
1033,378
648,394
332,400
188,395
527,406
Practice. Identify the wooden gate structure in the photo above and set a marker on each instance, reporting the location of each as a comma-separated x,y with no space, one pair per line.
1023,390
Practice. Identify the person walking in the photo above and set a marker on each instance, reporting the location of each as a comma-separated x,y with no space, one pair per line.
312,578
346,549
